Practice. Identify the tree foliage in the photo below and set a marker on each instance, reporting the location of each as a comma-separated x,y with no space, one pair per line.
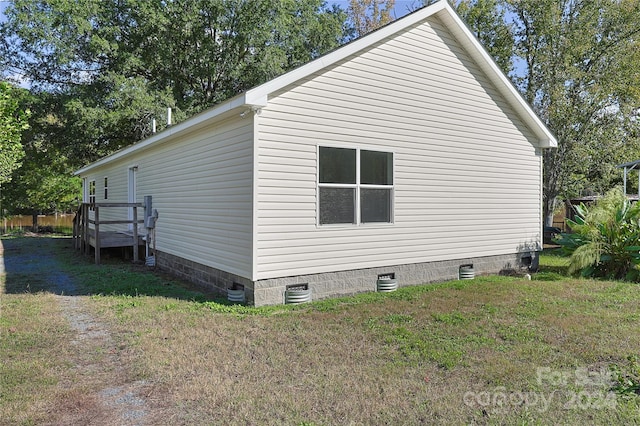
109,114
203,51
45,186
101,70
13,121
44,182
116,64
369,15
581,76
486,18
605,238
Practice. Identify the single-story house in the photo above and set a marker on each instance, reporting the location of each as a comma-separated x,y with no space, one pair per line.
405,153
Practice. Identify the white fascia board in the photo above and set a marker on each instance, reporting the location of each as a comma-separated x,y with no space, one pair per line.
260,93
472,45
187,125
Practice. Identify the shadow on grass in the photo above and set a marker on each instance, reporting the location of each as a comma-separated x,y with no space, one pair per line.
554,265
50,264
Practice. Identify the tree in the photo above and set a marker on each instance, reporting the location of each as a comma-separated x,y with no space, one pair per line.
487,20
202,51
114,65
368,15
13,121
101,70
44,182
208,51
96,119
581,60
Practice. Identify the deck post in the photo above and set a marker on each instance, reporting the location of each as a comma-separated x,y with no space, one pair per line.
135,233
75,230
97,230
105,238
78,229
85,229
81,230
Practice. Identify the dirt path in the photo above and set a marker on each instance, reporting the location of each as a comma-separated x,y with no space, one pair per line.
99,389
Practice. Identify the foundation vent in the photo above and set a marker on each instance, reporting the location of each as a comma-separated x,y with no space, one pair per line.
466,272
297,293
236,293
387,282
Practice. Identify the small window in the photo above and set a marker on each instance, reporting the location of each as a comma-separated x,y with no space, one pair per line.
337,205
92,193
337,165
354,186
106,188
376,185
375,205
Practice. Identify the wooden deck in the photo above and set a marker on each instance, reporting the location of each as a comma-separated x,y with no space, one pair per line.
114,239
87,233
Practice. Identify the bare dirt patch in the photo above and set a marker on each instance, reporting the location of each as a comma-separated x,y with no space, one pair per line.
97,389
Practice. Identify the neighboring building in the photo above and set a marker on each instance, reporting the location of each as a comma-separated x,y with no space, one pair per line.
406,152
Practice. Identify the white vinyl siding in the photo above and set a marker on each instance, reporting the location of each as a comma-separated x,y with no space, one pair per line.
467,178
201,185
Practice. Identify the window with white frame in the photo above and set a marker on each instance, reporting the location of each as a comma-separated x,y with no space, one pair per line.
106,188
355,186
92,192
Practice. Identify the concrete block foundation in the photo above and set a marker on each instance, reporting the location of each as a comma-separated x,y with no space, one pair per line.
342,283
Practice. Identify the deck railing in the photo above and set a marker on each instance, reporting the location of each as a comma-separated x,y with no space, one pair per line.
83,231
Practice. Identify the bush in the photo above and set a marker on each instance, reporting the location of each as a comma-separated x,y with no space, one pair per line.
605,238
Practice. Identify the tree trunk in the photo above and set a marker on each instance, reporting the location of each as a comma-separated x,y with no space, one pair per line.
34,222
549,207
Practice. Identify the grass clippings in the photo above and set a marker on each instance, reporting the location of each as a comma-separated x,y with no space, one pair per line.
494,350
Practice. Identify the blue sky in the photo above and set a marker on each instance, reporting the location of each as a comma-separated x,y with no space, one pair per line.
3,5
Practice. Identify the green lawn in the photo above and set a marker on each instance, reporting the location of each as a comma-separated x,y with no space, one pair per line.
494,350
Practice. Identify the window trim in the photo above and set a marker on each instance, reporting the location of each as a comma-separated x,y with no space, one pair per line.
357,186
85,190
92,193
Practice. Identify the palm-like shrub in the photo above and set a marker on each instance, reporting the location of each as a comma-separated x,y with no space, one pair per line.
605,238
